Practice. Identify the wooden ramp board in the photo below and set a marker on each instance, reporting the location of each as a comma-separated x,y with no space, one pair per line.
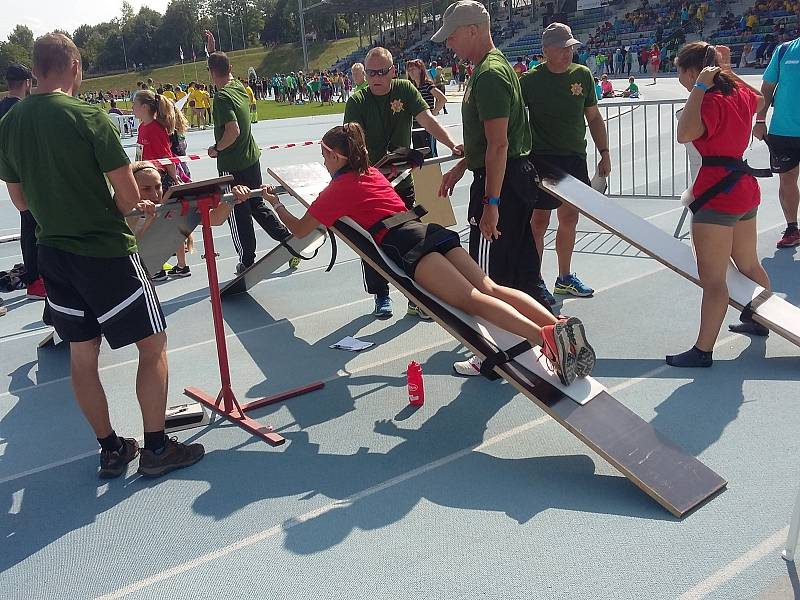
676,480
272,261
427,181
770,310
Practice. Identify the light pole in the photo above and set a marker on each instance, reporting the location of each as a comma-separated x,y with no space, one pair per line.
303,34
124,54
230,30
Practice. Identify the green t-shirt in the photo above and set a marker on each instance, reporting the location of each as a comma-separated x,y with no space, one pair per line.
633,88
58,148
556,105
386,119
493,92
231,103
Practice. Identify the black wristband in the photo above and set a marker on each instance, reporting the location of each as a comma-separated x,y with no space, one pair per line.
603,150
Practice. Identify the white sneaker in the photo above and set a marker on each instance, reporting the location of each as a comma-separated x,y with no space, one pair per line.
468,368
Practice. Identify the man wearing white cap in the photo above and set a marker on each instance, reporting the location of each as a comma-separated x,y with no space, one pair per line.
496,147
561,100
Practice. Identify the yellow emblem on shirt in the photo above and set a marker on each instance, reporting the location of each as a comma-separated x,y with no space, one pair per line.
396,106
576,89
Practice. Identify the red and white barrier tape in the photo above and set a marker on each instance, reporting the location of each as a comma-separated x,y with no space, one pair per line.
156,162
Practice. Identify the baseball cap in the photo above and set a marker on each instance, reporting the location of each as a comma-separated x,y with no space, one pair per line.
458,14
558,35
17,72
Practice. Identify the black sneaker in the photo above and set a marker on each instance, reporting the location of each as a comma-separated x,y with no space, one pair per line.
160,276
177,271
241,268
114,463
175,455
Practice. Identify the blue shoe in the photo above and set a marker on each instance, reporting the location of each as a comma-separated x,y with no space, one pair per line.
383,307
570,284
545,294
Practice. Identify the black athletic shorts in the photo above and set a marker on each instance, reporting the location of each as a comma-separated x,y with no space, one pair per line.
409,242
512,259
784,153
571,164
88,296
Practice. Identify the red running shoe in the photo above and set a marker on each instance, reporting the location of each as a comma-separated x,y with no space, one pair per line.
36,290
557,349
790,239
584,353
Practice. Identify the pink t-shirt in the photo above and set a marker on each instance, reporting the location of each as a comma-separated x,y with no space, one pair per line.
366,199
728,122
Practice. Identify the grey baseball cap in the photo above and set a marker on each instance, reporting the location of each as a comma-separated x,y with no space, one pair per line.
458,14
558,35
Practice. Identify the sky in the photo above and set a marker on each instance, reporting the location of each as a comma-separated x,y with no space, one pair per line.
43,16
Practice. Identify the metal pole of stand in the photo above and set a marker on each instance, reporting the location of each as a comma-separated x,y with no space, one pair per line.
225,404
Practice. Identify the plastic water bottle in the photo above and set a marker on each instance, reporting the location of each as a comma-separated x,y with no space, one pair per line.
416,387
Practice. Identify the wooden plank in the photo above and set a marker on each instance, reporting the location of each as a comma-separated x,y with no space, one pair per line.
675,479
771,311
427,181
272,261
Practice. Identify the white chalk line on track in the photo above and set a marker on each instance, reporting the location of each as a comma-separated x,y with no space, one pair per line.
737,566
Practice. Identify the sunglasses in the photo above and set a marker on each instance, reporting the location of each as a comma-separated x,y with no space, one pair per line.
379,72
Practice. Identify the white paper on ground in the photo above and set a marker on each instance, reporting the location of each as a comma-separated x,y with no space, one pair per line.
352,344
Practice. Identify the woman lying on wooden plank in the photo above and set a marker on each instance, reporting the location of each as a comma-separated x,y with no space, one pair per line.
430,254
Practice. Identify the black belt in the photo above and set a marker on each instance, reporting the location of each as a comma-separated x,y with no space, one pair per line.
501,358
399,219
737,168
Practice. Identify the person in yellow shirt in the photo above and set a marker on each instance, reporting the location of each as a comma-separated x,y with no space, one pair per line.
207,105
252,100
168,93
199,109
190,91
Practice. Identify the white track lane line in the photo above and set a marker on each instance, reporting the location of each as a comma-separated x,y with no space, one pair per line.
733,568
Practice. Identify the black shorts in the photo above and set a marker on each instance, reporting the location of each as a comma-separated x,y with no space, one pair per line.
408,243
88,296
784,153
571,164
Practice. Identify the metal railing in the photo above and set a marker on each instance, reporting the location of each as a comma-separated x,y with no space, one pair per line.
646,159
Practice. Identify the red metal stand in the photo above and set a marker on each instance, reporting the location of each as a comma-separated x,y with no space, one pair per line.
225,403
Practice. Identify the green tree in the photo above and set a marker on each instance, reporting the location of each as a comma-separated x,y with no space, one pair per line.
12,53
22,36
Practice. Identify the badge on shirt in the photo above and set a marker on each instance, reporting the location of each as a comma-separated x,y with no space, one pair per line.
396,106
576,89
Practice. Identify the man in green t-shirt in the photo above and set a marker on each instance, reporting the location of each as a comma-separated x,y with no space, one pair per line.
561,99
386,110
56,154
496,147
238,155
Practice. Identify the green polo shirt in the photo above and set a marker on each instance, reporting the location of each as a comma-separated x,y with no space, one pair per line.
493,92
386,119
231,103
59,148
556,104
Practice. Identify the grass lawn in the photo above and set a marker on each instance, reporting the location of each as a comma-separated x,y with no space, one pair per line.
269,109
266,61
